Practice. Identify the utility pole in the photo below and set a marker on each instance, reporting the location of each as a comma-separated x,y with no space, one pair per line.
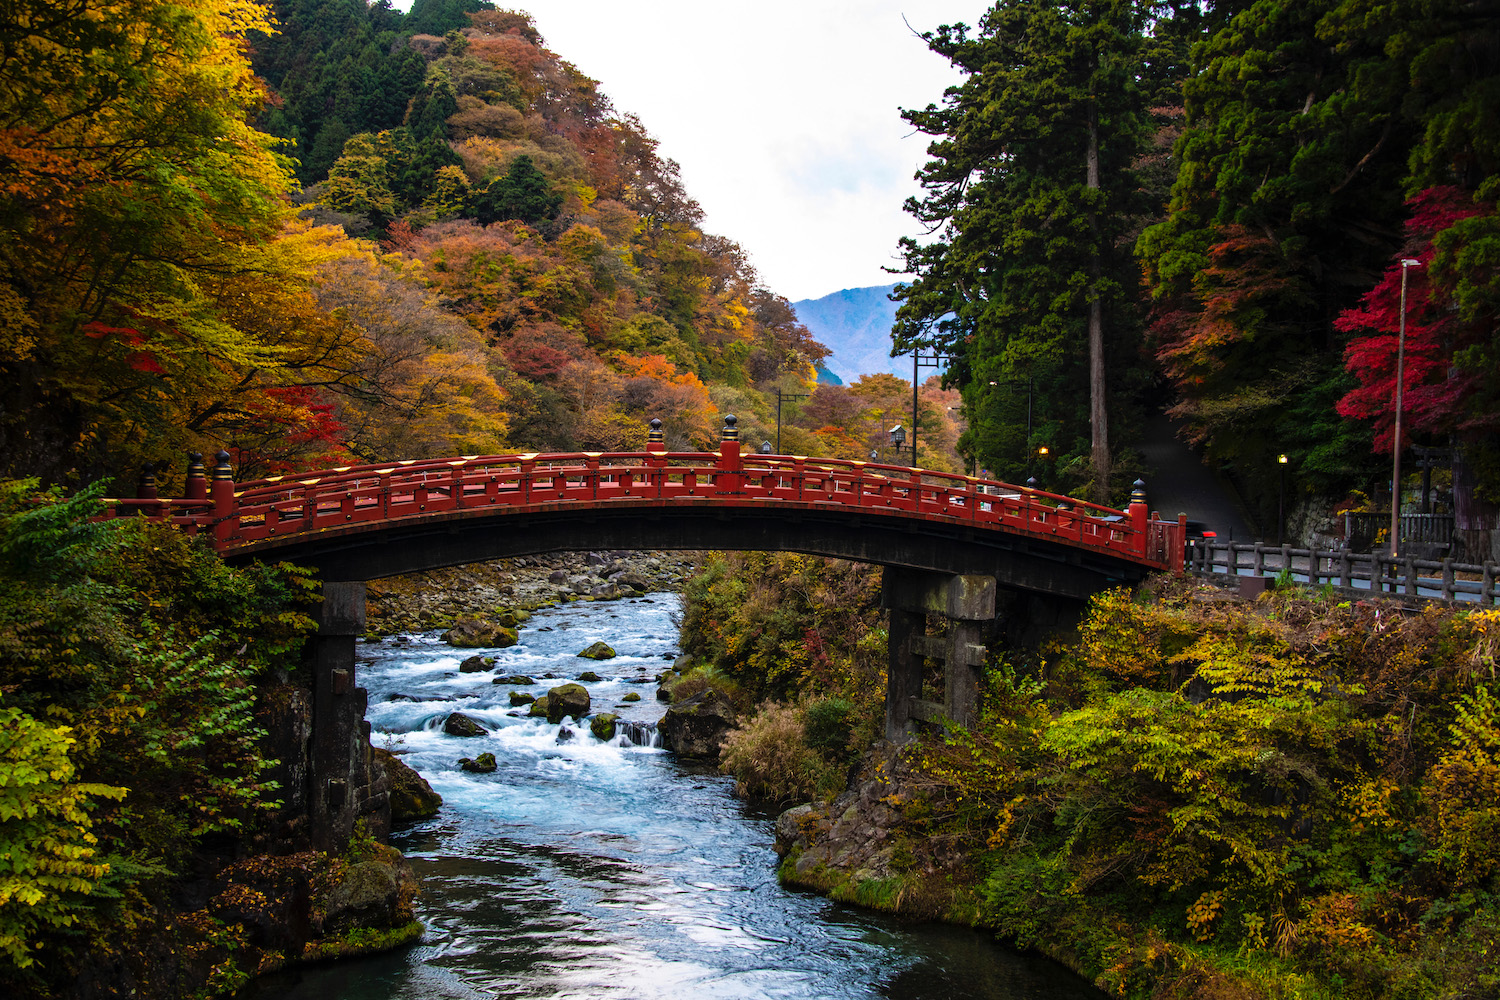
782,397
919,361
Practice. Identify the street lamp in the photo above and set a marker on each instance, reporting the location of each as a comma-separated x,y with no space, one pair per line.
765,447
1406,262
898,438
1281,504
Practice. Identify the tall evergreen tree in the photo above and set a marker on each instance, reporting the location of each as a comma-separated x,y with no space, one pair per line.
1029,192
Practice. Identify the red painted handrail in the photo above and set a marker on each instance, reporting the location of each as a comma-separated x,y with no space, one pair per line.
260,513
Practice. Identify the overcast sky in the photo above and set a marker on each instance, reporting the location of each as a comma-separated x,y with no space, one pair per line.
783,114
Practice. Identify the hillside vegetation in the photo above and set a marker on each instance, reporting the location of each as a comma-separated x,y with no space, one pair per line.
321,231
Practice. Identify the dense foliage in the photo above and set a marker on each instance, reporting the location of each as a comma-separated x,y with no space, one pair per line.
129,746
322,231
1294,794
1271,164
800,638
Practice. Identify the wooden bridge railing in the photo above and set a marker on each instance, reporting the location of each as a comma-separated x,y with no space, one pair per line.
254,512
1373,572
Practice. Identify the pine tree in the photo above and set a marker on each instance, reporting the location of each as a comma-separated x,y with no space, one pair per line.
1028,193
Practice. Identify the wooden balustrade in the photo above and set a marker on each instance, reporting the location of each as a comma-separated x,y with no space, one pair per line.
352,497
1351,572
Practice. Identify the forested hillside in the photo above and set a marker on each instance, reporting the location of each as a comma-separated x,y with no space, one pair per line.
325,231
1267,166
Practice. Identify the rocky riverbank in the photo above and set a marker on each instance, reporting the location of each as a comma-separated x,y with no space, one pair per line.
441,598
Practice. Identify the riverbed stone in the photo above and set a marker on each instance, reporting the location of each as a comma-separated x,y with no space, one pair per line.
475,633
459,724
603,726
521,698
513,679
631,696
634,581
369,894
565,700
475,664
412,798
696,726
539,707
599,651
589,677
483,764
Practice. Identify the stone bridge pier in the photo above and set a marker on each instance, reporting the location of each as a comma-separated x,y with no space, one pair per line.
345,784
968,603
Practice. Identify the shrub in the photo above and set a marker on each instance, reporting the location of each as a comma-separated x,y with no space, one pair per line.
770,759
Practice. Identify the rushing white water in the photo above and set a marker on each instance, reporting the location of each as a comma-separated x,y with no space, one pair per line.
588,869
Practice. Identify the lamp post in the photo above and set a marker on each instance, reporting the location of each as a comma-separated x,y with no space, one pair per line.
765,447
898,438
1281,503
1406,263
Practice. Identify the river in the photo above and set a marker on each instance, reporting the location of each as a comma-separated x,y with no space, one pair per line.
580,869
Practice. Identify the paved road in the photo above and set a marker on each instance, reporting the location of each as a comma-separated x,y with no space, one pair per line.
1178,481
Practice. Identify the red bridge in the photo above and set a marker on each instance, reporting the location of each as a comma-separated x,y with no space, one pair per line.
369,521
949,544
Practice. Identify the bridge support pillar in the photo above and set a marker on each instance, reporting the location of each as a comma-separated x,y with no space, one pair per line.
344,783
968,603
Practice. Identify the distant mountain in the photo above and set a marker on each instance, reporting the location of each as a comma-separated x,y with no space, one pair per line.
855,324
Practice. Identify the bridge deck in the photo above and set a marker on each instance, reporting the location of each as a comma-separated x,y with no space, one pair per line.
333,508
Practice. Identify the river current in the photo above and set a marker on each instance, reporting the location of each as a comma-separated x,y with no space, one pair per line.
581,869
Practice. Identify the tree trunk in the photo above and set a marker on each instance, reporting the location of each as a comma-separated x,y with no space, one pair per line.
1097,415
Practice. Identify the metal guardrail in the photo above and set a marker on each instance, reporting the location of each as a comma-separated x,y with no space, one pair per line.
1353,572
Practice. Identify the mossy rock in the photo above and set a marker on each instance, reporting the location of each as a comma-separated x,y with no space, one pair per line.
471,633
603,726
539,707
513,679
598,651
483,764
476,664
632,696
565,700
521,698
459,724
412,798
589,677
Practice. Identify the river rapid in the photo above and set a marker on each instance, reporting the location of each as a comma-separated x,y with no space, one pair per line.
597,870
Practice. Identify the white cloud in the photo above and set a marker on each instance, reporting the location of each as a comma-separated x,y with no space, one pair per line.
784,116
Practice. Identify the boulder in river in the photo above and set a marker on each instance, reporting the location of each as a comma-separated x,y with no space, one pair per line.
634,581
521,698
632,696
412,798
474,633
589,677
603,726
696,726
459,724
513,679
483,764
565,700
598,651
476,664
539,707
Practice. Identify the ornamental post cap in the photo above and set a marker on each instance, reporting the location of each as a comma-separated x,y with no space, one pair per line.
1031,483
731,431
656,431
221,469
1138,491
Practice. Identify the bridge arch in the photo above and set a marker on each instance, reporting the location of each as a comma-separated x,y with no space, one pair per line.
948,543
